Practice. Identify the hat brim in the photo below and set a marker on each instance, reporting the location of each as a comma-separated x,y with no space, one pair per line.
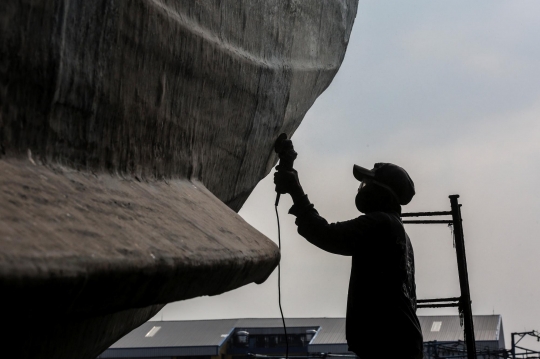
361,173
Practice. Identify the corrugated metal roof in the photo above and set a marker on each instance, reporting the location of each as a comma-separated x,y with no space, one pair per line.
179,334
331,331
486,328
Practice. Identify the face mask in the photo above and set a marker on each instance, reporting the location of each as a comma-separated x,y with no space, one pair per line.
360,201
370,198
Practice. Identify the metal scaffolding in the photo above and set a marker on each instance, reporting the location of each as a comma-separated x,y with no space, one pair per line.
463,302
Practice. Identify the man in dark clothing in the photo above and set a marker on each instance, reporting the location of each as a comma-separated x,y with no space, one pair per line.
381,304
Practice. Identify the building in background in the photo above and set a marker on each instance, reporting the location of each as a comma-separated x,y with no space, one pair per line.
307,337
443,336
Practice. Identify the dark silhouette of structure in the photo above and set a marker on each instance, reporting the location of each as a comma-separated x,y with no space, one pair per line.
526,353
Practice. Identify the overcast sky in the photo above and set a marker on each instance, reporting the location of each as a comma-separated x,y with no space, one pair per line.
449,90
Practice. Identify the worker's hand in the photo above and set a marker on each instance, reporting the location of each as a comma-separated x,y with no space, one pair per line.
284,146
288,182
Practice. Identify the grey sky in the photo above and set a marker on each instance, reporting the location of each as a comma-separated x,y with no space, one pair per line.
450,90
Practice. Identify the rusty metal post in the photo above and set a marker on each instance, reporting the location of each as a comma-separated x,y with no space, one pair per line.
463,278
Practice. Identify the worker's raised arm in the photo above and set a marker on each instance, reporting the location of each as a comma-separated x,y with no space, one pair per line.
338,238
344,238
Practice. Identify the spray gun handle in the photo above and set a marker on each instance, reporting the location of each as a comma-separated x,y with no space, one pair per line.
287,155
285,150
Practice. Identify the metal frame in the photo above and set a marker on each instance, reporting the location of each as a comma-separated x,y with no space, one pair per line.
515,342
463,302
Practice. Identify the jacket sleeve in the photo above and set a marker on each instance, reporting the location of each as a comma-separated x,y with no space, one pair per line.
342,238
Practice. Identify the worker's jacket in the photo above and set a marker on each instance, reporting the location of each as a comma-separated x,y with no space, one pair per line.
381,305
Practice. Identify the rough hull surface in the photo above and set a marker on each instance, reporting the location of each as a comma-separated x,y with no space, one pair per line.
130,134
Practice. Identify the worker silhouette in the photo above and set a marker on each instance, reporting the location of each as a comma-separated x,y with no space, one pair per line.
381,304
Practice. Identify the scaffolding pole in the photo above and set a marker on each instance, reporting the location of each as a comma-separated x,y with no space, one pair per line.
464,301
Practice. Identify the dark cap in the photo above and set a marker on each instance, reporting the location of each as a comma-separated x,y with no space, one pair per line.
395,177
